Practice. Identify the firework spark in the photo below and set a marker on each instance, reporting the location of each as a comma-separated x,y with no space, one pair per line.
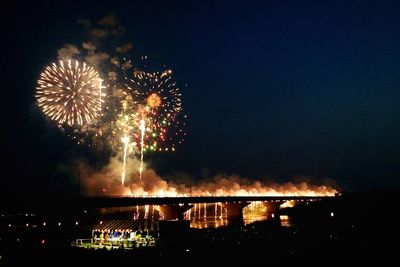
69,92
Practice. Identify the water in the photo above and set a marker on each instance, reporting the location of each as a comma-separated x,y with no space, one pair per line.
214,215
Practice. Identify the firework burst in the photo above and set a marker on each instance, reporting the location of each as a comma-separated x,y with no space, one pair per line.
69,92
159,110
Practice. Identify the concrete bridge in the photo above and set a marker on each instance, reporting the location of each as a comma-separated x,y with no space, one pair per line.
123,201
173,208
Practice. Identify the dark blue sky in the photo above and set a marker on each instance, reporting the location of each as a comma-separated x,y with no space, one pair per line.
275,88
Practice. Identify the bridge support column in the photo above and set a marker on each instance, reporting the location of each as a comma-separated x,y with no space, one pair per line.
234,212
174,212
272,208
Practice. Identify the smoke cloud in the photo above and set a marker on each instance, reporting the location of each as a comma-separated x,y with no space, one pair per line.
108,20
68,51
95,59
108,25
119,31
99,33
127,65
89,46
124,48
107,181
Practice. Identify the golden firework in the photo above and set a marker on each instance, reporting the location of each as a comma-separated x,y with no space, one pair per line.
69,92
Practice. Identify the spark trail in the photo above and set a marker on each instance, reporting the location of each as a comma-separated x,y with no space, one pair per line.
142,128
125,141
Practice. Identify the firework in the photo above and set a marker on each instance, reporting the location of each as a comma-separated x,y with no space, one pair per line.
159,110
69,92
150,114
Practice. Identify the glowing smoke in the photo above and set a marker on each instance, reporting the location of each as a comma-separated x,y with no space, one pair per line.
124,48
94,59
89,46
99,33
107,181
67,52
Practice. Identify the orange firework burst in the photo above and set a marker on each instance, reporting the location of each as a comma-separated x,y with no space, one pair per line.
153,100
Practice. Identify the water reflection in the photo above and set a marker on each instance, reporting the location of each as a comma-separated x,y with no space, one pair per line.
207,215
214,215
285,221
255,211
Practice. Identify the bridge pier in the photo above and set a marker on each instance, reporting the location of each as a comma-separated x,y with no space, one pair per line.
272,211
174,212
235,212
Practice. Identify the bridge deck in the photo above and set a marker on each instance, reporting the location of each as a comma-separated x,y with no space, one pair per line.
133,201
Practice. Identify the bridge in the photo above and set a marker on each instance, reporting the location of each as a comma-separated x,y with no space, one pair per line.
173,208
112,201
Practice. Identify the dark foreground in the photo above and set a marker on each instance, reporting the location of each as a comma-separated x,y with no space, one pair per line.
357,228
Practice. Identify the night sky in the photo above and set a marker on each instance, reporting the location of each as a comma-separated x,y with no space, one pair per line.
275,89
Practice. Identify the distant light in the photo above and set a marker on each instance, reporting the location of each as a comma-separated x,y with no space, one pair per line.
76,223
187,250
59,224
27,224
332,214
44,224
85,211
9,225
101,222
273,215
284,217
26,214
42,241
